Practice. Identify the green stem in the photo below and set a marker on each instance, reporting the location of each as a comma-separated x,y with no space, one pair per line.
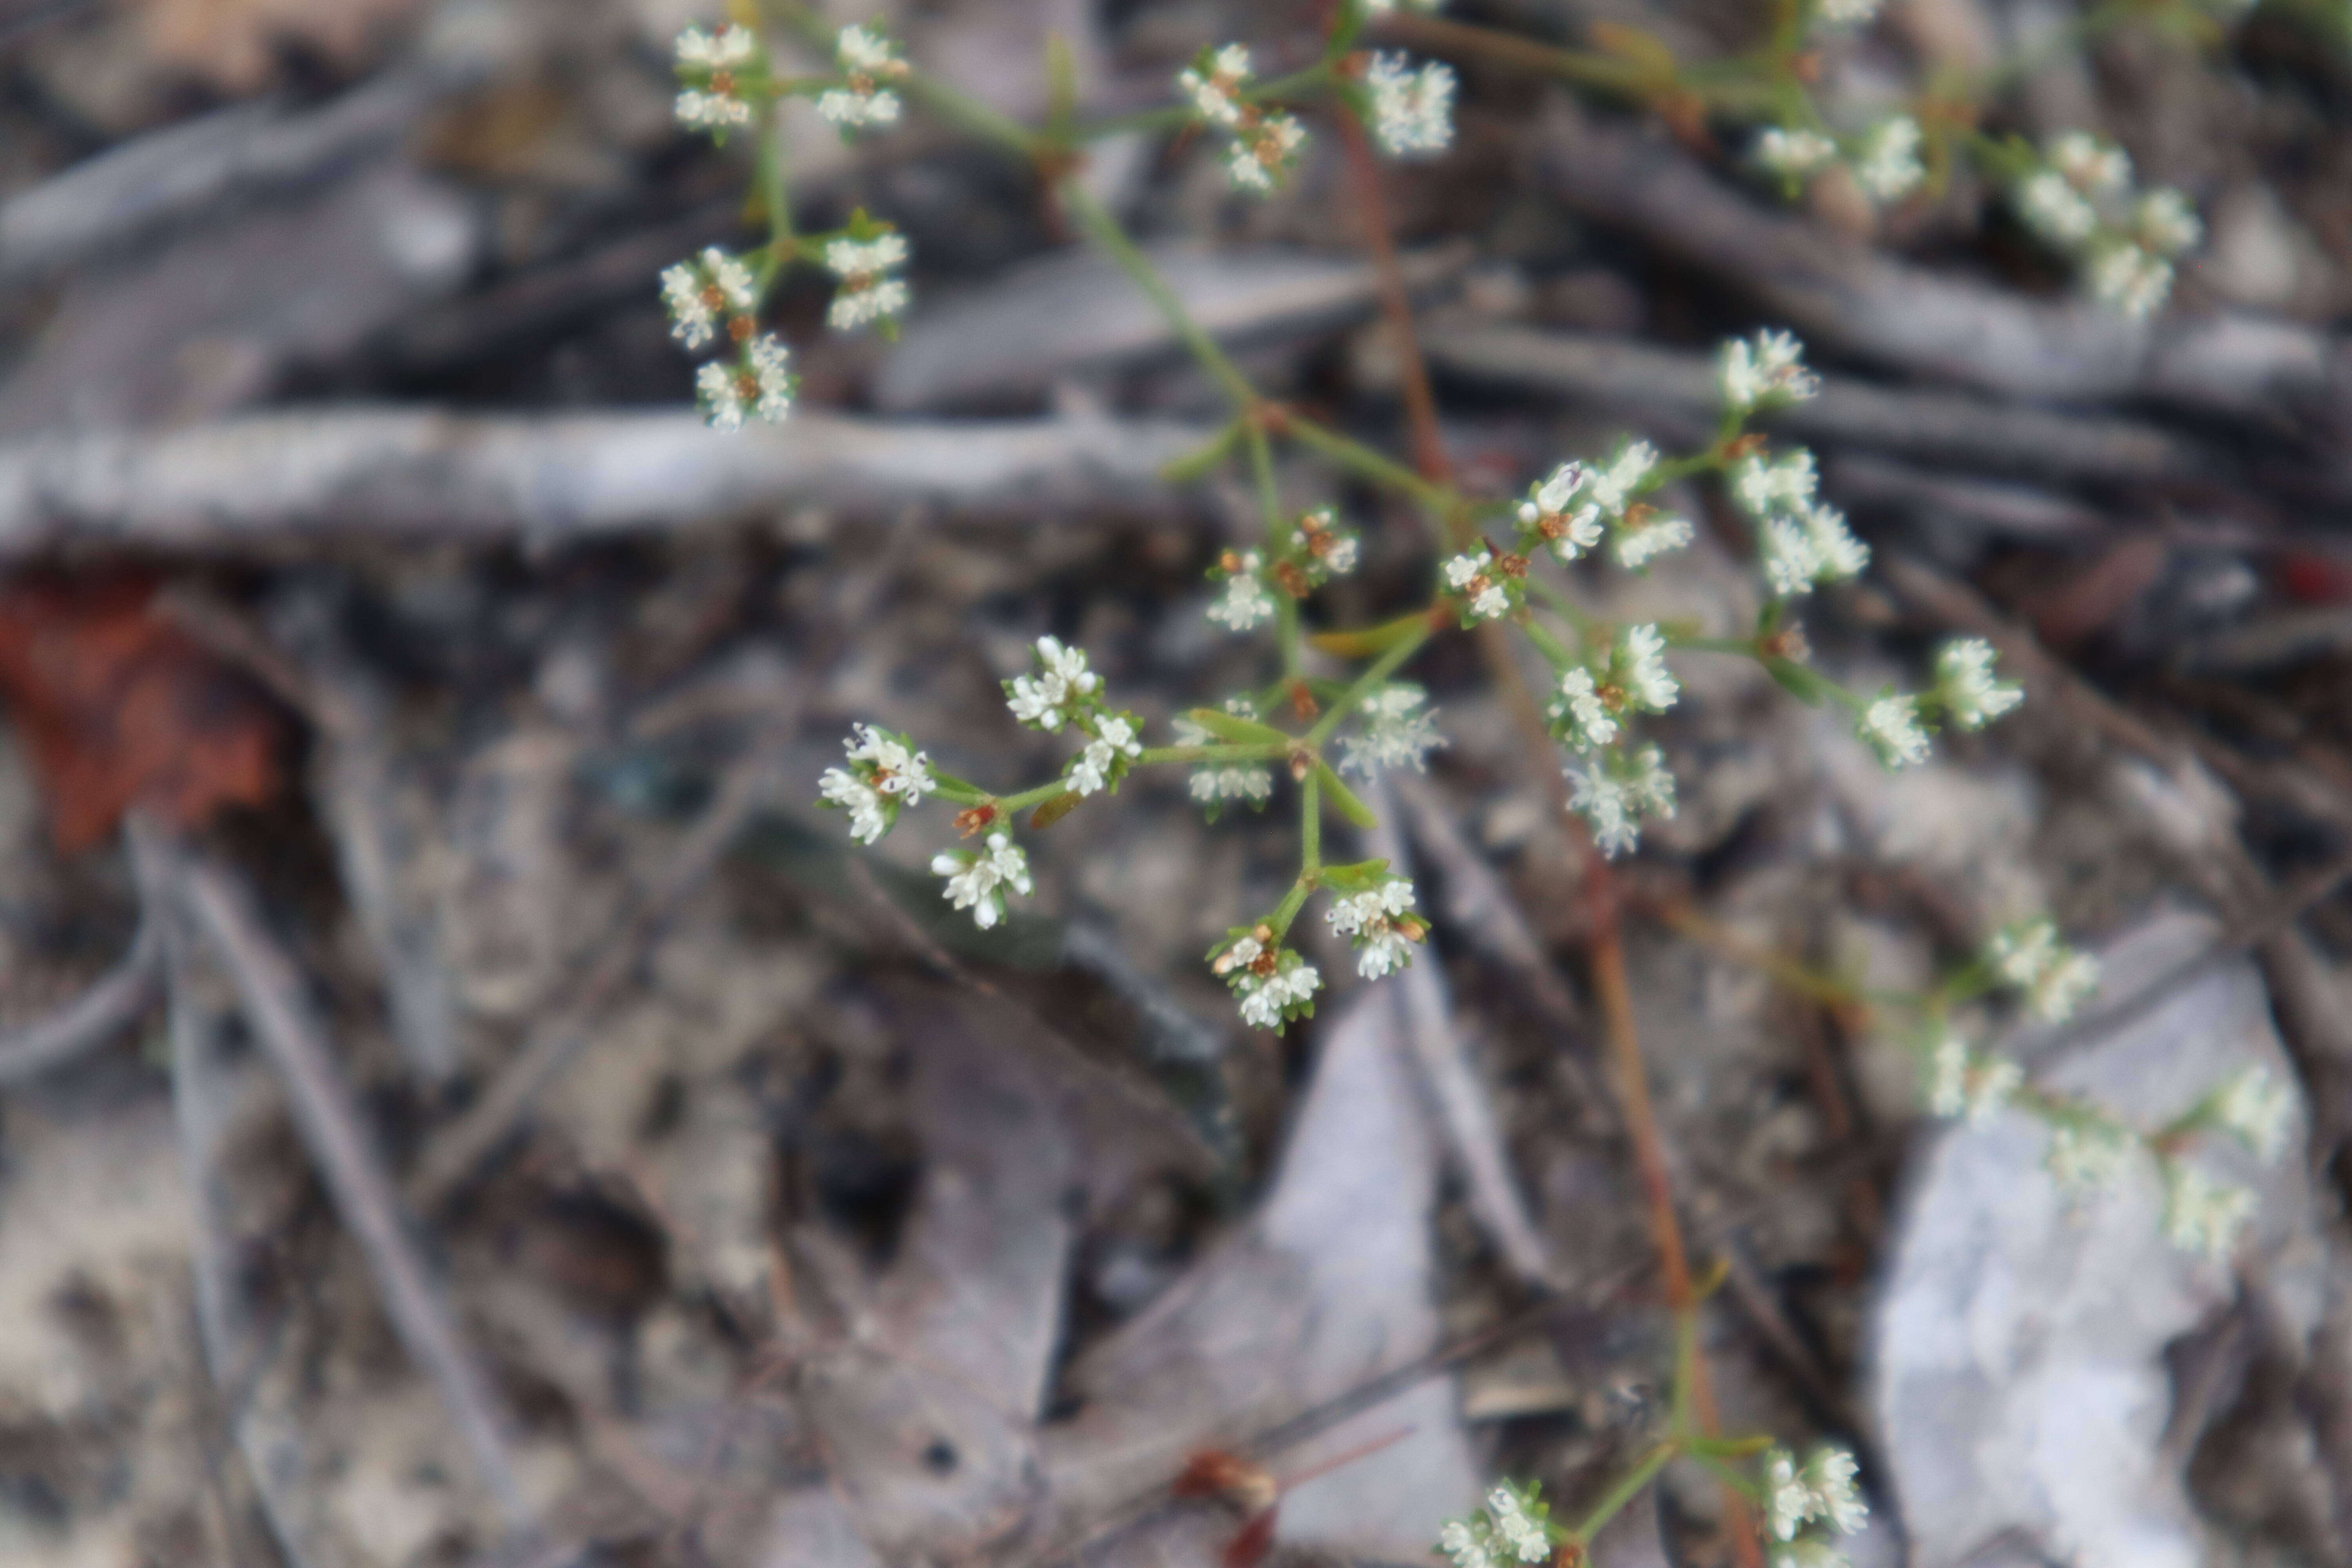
1310,830
1627,1488
1105,230
1362,461
1380,669
1288,910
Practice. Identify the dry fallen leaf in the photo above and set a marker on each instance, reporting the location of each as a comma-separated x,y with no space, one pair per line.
119,707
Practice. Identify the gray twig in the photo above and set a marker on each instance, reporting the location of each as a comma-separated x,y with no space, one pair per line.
1465,1111
1855,299
1949,427
271,993
430,474
90,1019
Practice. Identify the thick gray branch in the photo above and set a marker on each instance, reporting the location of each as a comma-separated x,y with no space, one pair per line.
430,474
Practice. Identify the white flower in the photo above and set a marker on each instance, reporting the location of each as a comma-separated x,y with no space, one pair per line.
2203,1215
2055,209
1382,941
1891,727
760,384
731,46
869,291
1788,1502
1888,168
2089,1158
1471,575
698,293
1964,679
2257,1109
2165,222
1264,149
1823,1490
1791,562
1246,601
1770,367
1547,511
1050,698
1613,806
2055,978
977,882
2130,279
1466,1547
1215,92
1841,555
1963,1083
892,767
866,61
1520,1534
1637,542
713,103
1792,154
1412,111
1648,683
1098,764
1848,12
1590,726
1396,733
2094,167
1615,485
1784,485
868,821
1232,783
1267,999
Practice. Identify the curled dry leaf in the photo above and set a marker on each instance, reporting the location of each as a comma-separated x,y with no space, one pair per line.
121,706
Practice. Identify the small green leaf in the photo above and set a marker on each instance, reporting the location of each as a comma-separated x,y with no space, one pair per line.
1344,798
1055,808
1797,681
1241,732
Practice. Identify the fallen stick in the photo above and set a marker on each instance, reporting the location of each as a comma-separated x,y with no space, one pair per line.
1949,427
1953,328
112,1004
270,994
412,474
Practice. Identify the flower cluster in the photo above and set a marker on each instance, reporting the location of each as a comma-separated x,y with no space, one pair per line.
1883,159
1890,725
1967,1083
1512,1526
1412,108
1489,588
1970,695
868,63
2078,198
2053,978
719,76
977,878
885,774
1245,601
1617,790
2257,1109
757,383
1265,142
867,264
1805,1505
1380,924
1801,540
1632,675
712,293
1569,510
1397,732
2202,1215
1273,984
1320,550
1062,691
1766,371
1218,783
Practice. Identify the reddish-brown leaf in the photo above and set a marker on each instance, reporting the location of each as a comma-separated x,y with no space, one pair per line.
119,707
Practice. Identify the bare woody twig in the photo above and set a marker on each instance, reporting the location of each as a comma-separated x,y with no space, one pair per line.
428,475
1949,427
1465,1111
289,1036
90,1019
1851,298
